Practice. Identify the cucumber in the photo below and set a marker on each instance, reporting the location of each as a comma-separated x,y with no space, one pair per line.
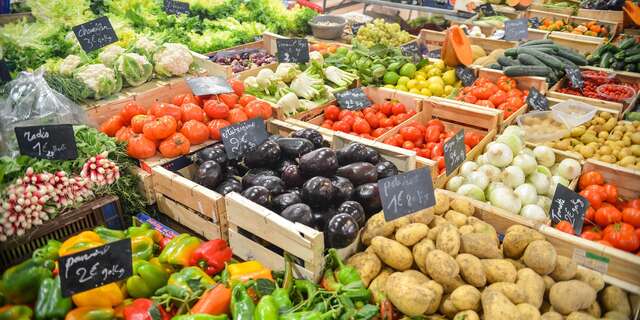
627,43
632,52
545,46
536,42
549,60
576,58
620,55
549,51
529,60
522,71
632,59
511,52
605,60
495,66
567,61
506,61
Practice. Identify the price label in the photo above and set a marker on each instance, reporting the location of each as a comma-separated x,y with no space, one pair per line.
442,4
292,50
570,206
355,27
176,7
202,86
466,75
95,267
575,77
5,76
486,10
591,260
412,50
434,54
535,22
51,142
454,152
354,99
517,29
406,193
537,101
242,137
95,34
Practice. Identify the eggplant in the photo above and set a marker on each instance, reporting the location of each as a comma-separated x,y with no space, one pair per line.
341,231
284,200
283,164
386,169
267,154
292,176
355,210
211,153
372,156
319,162
299,212
357,152
274,137
321,217
229,185
369,197
258,194
359,173
318,192
231,171
247,180
295,147
343,189
297,190
310,134
273,183
209,174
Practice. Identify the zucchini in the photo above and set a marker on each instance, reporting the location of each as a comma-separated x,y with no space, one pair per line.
521,71
529,60
600,51
605,61
632,52
631,67
495,66
632,59
576,58
567,61
511,52
620,55
549,60
545,46
506,61
536,42
627,43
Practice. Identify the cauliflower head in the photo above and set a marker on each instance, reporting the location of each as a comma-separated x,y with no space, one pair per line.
69,64
172,59
110,54
100,79
145,47
134,68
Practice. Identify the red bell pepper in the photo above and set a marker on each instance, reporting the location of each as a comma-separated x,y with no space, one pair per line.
310,5
145,309
211,256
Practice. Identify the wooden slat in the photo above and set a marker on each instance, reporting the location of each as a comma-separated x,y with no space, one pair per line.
402,158
189,218
583,44
626,180
554,101
145,186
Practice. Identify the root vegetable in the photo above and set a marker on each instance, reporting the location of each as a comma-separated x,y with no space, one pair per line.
448,240
533,286
466,297
528,311
540,256
442,203
367,264
471,270
463,206
496,306
456,218
579,316
565,269
480,245
376,226
552,315
378,284
615,299
498,270
392,253
412,233
594,279
570,296
516,240
441,267
409,297
420,251
615,315
466,315
511,290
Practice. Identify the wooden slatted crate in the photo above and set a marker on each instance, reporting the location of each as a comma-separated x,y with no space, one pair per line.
267,43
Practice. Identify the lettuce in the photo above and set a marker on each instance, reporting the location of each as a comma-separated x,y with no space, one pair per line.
67,13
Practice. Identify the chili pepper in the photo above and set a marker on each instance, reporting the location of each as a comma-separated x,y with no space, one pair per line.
360,294
145,309
386,309
211,256
82,241
179,250
305,286
215,301
20,283
266,309
91,313
105,296
10,312
109,235
329,282
186,282
242,307
201,316
145,229
345,274
281,295
248,270
47,252
146,279
50,303
141,248
302,315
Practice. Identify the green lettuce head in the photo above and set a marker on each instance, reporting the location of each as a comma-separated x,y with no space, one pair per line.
134,68
100,79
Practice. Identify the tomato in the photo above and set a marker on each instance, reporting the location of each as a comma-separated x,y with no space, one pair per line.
621,236
469,98
508,110
438,150
230,99
196,131
433,133
160,128
237,115
436,122
631,216
589,178
253,110
425,153
373,121
378,132
482,93
398,108
175,145
635,203
441,164
139,147
386,123
599,190
130,110
245,99
361,125
594,197
410,133
112,125
607,215
591,235
237,86
471,138
408,145
191,111
590,215
177,99
402,117
486,103
515,102
138,122
611,192
386,108
262,106
341,126
391,141
498,98
565,226
366,136
124,134
216,110
505,83
332,112
514,92
190,98
215,126
167,109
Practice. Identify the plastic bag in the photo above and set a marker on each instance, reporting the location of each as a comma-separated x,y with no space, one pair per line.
29,101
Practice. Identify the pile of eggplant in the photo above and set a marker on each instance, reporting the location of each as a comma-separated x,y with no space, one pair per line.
304,181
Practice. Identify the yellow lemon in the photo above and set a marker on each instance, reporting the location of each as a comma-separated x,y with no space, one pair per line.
420,74
436,79
402,81
436,89
425,92
448,89
414,90
411,84
402,88
423,84
420,77
434,72
449,77
439,64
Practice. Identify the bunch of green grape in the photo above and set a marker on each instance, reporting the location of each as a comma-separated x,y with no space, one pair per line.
380,32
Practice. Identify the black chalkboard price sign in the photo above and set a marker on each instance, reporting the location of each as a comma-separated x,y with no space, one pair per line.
51,142
466,75
354,99
454,152
575,77
355,27
176,7
517,29
537,101
243,137
95,267
292,50
486,9
95,34
406,193
412,49
569,206
202,86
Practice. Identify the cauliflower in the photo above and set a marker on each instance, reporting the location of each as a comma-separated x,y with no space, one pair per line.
135,69
172,59
287,71
101,80
69,64
145,47
110,54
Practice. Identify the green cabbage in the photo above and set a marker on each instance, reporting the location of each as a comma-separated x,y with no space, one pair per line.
101,80
134,68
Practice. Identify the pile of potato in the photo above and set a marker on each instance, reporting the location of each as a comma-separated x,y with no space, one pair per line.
606,139
444,263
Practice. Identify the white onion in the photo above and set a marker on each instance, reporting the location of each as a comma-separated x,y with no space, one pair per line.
528,151
527,193
472,191
512,176
569,168
499,155
526,162
479,179
540,181
544,155
515,130
513,141
482,159
492,172
554,170
544,203
554,183
505,199
454,183
544,170
467,167
533,212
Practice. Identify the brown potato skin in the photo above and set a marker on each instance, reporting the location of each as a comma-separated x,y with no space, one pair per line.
367,264
498,270
471,270
392,253
516,240
540,256
570,296
615,299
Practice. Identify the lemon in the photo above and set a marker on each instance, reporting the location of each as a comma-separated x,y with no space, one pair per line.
402,81
439,64
421,76
411,84
436,79
423,84
427,67
389,86
401,88
449,77
448,89
434,72
425,92
436,89
414,90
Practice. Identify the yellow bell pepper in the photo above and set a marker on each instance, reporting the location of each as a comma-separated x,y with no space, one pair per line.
82,241
248,270
105,296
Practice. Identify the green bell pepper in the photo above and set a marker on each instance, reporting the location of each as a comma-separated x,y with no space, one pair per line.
48,251
186,283
15,313
266,309
146,279
200,316
179,250
20,283
50,304
145,229
109,235
242,307
345,274
142,248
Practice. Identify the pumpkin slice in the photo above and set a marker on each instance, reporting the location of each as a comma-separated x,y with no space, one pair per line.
458,48
633,11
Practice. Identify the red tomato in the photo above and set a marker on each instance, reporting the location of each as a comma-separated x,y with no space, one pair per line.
245,99
485,103
189,98
195,131
425,153
398,108
408,145
191,111
237,86
590,215
138,122
607,215
130,110
611,193
593,197
498,98
167,109
514,92
402,117
253,110
433,133
621,236
344,113
378,132
112,125
438,150
216,110
373,120
471,138
440,161
124,134
565,226
386,123
215,126
410,133
436,122
341,126
391,141
505,83
631,216
361,126
482,93
470,98
591,235
349,119
237,115
515,102
598,189
332,113
386,108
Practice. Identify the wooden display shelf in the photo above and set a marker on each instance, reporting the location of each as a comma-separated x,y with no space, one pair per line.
433,40
610,25
556,10
607,15
583,44
554,101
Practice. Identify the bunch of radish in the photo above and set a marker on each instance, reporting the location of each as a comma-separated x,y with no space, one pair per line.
100,170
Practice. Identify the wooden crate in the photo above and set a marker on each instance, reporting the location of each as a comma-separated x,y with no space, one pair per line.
433,40
536,34
7,18
583,44
607,15
554,101
268,43
542,7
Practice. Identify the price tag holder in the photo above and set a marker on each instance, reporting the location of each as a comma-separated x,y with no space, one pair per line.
292,50
515,30
5,76
412,50
570,206
575,77
243,137
354,99
442,4
355,27
202,86
535,22
95,34
406,193
466,75
176,7
454,152
95,267
435,53
50,142
486,9
537,101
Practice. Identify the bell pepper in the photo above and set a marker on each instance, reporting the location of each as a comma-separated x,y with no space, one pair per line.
186,282
109,235
242,307
266,309
141,248
214,301
10,312
91,313
145,229
82,241
345,274
211,256
166,267
145,309
20,283
47,252
50,304
248,270
146,279
105,296
201,316
179,250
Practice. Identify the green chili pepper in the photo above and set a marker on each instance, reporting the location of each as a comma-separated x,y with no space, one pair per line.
345,274
303,315
48,251
281,295
266,309
242,307
109,235
50,303
15,313
200,316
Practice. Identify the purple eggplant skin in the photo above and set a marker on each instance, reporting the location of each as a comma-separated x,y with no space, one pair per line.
283,164
321,217
318,192
284,200
231,171
359,173
267,154
211,153
355,210
229,185
341,231
299,212
386,169
357,152
252,174
319,162
209,174
295,147
273,183
292,176
259,195
343,189
310,134
369,197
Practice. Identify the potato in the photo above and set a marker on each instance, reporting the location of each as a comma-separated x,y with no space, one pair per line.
496,306
519,265
533,286
512,291
565,269
594,310
466,315
420,251
378,284
466,229
416,275
447,308
570,296
449,285
442,203
463,206
368,265
480,226
456,218
466,297
434,232
552,315
548,283
400,222
540,256
614,299
411,233
579,316
376,226
498,270
437,221
424,216
593,278
615,315
472,270
410,297
448,240
516,240
441,266
528,311
480,245
437,289
392,253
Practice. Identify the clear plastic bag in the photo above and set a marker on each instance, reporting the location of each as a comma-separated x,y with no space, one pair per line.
29,101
